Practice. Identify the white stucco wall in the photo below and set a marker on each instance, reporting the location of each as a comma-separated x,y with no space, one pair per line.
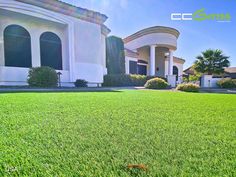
178,65
36,27
208,81
180,68
83,44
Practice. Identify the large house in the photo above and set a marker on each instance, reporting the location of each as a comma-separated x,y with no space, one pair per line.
71,40
151,52
51,33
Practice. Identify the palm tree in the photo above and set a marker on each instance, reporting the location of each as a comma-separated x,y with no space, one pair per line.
211,62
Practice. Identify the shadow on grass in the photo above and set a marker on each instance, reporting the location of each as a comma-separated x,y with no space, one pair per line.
56,90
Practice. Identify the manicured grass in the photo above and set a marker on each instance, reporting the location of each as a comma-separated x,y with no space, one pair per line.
100,133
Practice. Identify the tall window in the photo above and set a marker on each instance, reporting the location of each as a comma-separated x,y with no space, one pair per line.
176,72
51,50
132,67
17,47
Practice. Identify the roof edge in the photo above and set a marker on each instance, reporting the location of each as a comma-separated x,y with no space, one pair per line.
179,60
105,30
150,30
68,9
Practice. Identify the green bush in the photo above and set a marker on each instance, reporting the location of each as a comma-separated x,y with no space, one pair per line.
124,80
227,83
189,87
81,83
156,83
42,77
115,55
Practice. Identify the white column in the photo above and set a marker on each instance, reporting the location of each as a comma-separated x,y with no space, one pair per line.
71,44
35,46
2,58
152,59
170,64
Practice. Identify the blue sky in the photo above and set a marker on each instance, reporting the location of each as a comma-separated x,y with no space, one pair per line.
129,16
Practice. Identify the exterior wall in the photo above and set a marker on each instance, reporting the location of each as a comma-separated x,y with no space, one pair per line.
103,51
83,44
208,81
89,52
160,61
144,54
153,39
35,27
180,68
127,60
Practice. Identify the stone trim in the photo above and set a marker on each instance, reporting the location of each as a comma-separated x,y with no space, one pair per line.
130,53
179,60
105,30
155,29
68,9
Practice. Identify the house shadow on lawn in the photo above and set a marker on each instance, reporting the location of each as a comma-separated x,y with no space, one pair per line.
57,90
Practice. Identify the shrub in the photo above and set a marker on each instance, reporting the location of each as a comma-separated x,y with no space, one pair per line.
124,80
156,83
227,83
194,78
81,83
189,87
115,55
42,77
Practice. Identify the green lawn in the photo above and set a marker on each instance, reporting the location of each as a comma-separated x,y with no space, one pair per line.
100,133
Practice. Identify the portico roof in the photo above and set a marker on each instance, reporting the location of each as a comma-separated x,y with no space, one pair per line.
151,30
158,36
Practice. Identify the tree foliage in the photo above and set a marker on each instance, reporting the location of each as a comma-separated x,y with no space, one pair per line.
211,62
115,56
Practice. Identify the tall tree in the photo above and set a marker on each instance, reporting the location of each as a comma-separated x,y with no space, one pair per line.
211,62
115,56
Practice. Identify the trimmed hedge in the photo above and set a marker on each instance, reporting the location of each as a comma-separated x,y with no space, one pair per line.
156,83
81,83
189,87
42,77
227,83
115,55
124,80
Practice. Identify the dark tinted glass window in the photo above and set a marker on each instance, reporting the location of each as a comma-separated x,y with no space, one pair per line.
176,72
51,50
132,67
142,69
17,47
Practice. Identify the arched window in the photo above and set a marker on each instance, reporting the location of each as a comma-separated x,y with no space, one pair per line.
176,72
51,50
17,47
